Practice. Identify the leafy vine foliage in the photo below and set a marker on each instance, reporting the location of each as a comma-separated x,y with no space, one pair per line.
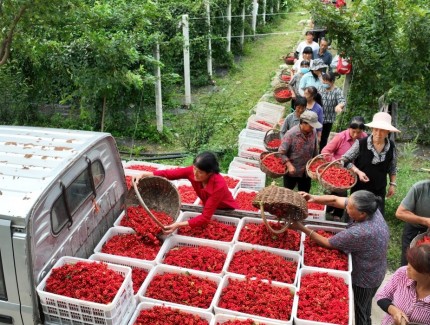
67,61
389,42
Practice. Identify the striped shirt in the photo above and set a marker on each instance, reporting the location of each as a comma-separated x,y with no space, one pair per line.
330,99
402,292
367,241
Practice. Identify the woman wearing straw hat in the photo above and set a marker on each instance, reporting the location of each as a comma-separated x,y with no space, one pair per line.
373,158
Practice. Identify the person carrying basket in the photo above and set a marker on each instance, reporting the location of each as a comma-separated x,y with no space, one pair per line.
208,184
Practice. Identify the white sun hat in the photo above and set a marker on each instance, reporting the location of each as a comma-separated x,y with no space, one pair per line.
382,121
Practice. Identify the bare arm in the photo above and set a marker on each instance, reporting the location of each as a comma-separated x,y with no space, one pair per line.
331,200
408,216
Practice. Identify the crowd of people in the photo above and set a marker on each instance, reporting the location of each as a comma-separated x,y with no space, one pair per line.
372,157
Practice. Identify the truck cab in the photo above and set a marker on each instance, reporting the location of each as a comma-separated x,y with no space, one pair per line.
60,190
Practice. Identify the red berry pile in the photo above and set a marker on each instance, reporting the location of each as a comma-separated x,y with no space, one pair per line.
315,206
231,182
202,258
89,281
275,143
323,298
274,164
283,93
244,200
214,230
143,167
424,240
183,288
168,315
187,194
318,256
338,177
262,264
264,123
258,234
132,245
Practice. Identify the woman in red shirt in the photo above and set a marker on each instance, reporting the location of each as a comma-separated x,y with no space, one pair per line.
209,185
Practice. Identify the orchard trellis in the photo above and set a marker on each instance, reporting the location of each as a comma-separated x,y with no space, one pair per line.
185,20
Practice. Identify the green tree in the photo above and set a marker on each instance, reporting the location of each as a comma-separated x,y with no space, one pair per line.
389,42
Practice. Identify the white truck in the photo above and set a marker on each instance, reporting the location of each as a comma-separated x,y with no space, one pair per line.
60,190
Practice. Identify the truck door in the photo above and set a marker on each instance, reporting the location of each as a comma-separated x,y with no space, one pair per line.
10,308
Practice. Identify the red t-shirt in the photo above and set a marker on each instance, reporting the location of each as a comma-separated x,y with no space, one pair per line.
215,195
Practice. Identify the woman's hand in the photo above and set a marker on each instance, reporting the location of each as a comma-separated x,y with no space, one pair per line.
290,168
398,315
391,191
361,175
297,226
308,197
170,228
338,109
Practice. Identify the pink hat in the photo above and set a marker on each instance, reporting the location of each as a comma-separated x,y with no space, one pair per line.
382,121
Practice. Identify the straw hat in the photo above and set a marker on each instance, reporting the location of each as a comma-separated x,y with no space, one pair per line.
382,121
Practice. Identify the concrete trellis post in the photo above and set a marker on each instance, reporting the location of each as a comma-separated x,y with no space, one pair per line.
254,15
242,34
229,26
158,95
208,21
264,11
187,81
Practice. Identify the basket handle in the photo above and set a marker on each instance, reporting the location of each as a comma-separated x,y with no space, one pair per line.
274,129
267,224
142,203
326,167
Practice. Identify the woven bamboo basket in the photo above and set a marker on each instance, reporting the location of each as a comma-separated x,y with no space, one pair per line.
285,204
328,186
285,76
316,159
419,237
289,58
155,193
266,170
279,98
270,135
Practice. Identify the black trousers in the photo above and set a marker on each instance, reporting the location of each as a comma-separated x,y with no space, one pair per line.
409,233
303,183
363,304
325,133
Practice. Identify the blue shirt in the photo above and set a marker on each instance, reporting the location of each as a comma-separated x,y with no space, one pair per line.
307,81
367,241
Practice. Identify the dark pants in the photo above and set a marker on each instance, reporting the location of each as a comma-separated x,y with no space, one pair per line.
326,129
409,233
363,304
303,183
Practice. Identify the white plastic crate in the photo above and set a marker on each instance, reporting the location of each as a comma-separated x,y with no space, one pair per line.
248,136
254,124
162,269
269,109
339,274
286,255
236,178
129,164
181,241
113,231
182,182
58,308
245,153
131,263
245,163
226,220
317,214
333,230
184,309
225,282
249,220
251,179
246,190
224,318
